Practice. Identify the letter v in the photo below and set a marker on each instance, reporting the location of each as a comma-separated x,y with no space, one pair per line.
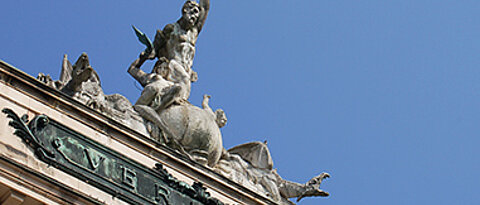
91,159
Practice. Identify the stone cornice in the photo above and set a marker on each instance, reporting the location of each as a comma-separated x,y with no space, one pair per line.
52,98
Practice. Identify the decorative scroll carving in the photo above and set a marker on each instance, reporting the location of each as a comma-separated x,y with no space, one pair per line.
25,132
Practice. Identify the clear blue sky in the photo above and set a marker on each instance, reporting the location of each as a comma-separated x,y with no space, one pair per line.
384,95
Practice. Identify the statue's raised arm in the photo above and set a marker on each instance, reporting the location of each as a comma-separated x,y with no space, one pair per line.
205,7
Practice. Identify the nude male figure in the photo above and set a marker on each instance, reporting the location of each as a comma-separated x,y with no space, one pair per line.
175,49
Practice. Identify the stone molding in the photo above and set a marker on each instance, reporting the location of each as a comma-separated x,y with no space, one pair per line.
29,86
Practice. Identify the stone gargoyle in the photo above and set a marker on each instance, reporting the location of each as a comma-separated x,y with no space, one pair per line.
251,165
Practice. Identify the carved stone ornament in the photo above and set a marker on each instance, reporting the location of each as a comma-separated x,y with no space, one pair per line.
163,112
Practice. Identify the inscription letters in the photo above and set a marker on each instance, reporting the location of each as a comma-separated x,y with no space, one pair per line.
94,160
129,177
102,167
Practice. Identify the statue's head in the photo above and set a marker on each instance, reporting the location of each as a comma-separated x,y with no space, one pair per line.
221,118
191,12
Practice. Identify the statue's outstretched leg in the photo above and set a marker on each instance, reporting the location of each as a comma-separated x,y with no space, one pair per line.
149,93
147,96
168,98
155,96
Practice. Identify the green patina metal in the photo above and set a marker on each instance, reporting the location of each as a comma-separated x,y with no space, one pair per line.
104,168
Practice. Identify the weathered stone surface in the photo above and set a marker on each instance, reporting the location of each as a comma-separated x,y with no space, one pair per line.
164,113
256,153
104,168
174,47
82,83
189,129
163,102
251,165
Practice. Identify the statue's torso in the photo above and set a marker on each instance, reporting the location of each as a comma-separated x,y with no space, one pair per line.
180,45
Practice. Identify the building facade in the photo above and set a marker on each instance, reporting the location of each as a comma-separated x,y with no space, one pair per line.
55,150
